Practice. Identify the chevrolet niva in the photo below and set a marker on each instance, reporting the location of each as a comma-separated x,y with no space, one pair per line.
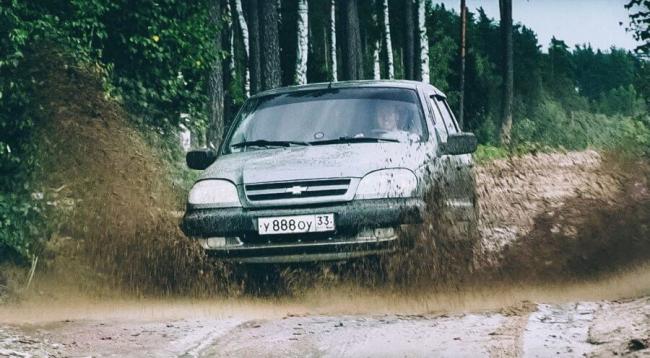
330,171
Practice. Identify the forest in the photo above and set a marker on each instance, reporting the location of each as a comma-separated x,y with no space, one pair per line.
194,63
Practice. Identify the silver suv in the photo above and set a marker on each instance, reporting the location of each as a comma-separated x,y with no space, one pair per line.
329,172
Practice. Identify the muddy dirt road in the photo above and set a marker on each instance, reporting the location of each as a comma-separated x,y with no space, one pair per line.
562,270
490,323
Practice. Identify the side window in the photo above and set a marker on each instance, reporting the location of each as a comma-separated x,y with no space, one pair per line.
446,115
438,120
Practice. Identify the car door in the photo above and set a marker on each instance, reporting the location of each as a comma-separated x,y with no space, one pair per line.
459,185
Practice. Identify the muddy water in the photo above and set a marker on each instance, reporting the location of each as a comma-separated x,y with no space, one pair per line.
340,300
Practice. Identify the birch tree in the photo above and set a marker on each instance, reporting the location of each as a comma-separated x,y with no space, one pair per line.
424,43
244,34
387,41
231,40
333,40
303,43
376,69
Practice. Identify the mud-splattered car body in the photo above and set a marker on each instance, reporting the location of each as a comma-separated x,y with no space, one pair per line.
334,187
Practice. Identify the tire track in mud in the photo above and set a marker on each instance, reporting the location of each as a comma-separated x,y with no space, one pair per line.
560,330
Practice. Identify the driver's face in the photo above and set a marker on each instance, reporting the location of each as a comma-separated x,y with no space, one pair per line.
387,120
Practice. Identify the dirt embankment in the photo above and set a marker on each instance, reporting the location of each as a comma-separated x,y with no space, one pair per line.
564,216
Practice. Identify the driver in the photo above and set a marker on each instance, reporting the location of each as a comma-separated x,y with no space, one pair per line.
387,118
387,123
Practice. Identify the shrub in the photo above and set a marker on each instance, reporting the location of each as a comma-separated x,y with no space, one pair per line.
552,126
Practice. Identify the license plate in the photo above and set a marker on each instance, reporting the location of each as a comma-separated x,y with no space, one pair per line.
295,224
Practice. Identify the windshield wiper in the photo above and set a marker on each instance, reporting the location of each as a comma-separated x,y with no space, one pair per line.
353,140
268,143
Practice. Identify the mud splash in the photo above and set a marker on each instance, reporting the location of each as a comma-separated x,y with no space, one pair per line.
340,300
111,196
551,219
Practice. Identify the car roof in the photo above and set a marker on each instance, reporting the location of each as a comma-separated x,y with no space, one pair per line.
351,84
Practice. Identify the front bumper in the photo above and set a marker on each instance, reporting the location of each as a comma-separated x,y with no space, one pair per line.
334,249
344,243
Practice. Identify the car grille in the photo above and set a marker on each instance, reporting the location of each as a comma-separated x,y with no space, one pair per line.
296,189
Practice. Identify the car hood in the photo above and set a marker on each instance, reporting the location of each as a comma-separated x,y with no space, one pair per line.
315,162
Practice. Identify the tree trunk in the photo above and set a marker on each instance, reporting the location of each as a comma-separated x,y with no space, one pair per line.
244,34
353,52
303,43
424,43
270,46
231,41
409,56
388,42
463,26
215,83
255,63
505,8
333,41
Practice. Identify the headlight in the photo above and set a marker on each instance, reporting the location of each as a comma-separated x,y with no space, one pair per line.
218,193
388,183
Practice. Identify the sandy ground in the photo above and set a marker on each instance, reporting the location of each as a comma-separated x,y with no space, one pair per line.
600,317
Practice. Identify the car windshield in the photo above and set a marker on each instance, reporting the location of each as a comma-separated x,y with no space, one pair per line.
328,116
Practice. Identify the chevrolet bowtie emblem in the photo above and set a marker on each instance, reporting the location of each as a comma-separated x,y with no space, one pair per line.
296,190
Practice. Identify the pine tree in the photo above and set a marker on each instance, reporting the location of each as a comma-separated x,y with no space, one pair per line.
244,32
270,45
215,83
505,8
255,51
409,51
353,51
463,27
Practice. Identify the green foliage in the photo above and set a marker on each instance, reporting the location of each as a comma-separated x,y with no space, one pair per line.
486,153
160,54
552,126
155,58
21,224
621,100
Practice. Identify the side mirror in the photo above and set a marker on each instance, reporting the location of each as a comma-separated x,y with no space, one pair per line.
460,143
200,159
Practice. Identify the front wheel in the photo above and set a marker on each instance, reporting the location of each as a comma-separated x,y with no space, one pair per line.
456,238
